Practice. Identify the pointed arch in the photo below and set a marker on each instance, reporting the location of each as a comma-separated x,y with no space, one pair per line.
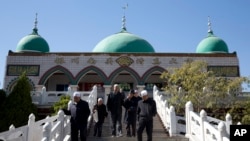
100,73
150,71
51,71
131,71
13,82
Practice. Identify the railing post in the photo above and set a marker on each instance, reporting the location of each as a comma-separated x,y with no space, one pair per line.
31,124
44,96
203,118
222,131
188,108
70,92
12,127
173,123
228,123
46,131
70,104
106,92
61,120
140,88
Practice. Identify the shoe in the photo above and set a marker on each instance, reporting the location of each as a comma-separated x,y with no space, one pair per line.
119,135
112,136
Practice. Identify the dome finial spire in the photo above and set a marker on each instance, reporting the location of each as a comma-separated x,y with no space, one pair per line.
209,25
124,17
35,25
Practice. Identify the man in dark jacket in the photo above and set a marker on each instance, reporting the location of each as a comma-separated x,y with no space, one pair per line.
79,112
146,110
100,108
130,105
114,105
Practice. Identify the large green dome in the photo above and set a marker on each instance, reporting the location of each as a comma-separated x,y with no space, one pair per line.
123,42
32,43
212,44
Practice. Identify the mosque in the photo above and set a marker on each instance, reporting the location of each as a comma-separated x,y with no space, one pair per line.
122,58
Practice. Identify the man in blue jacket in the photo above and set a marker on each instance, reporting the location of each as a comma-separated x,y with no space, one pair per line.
79,112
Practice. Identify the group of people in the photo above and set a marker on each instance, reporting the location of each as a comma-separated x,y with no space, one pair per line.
138,110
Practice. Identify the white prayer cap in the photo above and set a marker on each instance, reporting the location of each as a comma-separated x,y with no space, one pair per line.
77,94
144,93
99,99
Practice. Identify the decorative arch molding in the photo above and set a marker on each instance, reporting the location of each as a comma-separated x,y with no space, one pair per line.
12,83
150,71
131,71
51,71
91,68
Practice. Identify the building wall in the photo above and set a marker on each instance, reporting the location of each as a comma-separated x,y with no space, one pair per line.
77,65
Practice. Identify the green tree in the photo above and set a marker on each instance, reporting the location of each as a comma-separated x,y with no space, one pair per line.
2,97
192,82
61,104
18,105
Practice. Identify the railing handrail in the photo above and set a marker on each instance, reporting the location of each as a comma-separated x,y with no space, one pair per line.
55,128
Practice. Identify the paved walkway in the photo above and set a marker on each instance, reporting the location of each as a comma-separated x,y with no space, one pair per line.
159,134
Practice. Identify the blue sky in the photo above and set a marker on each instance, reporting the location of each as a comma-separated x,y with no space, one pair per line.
169,25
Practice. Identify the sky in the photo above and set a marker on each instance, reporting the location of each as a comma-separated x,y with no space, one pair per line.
170,26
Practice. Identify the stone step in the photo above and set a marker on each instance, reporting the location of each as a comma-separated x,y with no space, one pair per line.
135,139
159,133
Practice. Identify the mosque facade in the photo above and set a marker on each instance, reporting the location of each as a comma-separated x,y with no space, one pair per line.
123,58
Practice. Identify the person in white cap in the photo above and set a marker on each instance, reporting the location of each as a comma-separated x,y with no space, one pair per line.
102,113
79,112
146,110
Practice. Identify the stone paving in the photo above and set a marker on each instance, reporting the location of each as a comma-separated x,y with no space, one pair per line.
159,133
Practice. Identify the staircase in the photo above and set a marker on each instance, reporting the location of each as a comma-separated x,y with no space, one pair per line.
159,133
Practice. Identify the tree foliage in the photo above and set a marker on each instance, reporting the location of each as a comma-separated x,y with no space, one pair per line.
192,82
18,105
61,104
2,97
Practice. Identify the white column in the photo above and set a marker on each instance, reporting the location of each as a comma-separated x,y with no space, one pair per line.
31,124
203,118
39,88
173,122
228,123
72,89
140,88
188,108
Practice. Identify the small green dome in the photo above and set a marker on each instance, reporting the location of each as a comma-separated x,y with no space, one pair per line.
32,43
123,42
212,44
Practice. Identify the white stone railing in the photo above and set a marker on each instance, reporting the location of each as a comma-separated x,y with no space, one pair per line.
44,97
166,113
196,127
35,130
56,128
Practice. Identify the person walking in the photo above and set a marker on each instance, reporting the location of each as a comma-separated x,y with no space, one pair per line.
130,105
79,112
146,110
102,113
114,105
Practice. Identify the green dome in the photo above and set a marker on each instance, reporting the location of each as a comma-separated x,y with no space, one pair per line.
32,43
212,44
123,42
